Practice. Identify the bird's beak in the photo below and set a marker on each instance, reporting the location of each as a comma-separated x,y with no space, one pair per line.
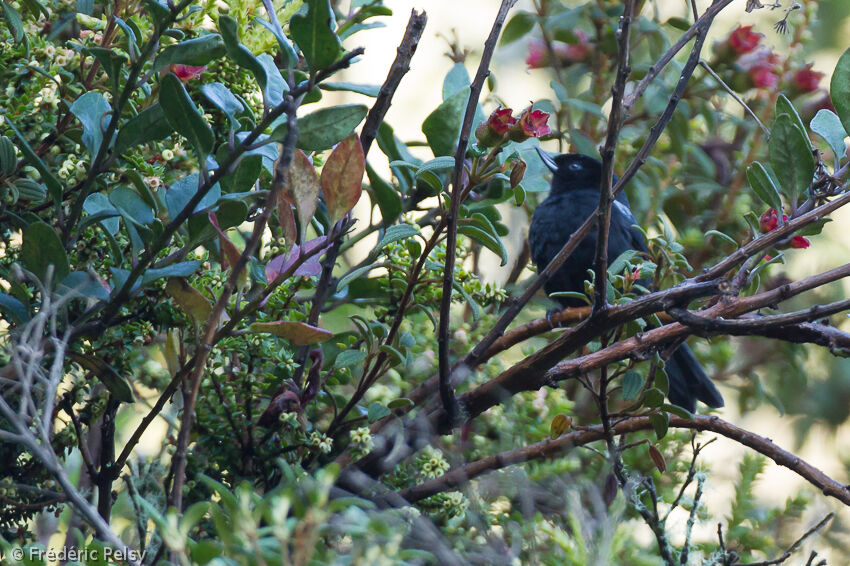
548,160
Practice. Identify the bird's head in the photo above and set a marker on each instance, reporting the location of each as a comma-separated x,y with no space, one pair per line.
572,171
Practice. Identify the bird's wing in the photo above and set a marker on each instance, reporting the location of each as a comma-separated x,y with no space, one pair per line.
637,242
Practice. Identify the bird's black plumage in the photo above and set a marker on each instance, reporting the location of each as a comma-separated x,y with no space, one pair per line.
573,197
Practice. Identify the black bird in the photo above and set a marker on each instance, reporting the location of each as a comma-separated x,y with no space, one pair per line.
573,196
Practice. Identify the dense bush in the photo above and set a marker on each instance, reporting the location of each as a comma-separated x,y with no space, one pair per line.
180,236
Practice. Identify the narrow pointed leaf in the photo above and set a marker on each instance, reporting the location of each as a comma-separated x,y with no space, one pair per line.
342,177
184,116
299,333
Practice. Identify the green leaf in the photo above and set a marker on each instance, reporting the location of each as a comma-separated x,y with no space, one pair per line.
98,204
828,125
442,126
400,403
184,116
385,196
763,186
396,233
225,101
179,269
519,25
54,185
299,333
14,310
290,57
84,284
632,384
354,274
195,52
14,22
111,61
314,34
90,110
147,126
181,192
839,89
660,423
366,90
348,358
42,247
246,174
105,373
456,80
240,54
784,106
791,156
322,129
480,229
376,412
126,200
678,411
275,85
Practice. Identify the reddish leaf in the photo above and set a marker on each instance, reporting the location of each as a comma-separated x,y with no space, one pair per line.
230,254
302,188
287,221
284,401
283,262
313,378
299,333
342,177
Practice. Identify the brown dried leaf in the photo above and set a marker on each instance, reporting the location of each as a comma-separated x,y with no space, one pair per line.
190,300
342,177
610,491
657,458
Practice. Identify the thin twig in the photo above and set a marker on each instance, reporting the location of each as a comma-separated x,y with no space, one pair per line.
734,95
446,389
796,545
606,198
400,66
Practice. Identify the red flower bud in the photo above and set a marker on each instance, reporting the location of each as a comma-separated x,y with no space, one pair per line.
567,53
807,80
800,242
743,40
770,220
187,72
764,76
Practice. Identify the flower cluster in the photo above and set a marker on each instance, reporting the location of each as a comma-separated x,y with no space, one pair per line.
362,439
431,463
566,53
502,126
753,66
769,221
322,442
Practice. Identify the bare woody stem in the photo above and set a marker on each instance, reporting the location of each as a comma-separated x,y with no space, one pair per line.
400,66
606,198
446,389
554,448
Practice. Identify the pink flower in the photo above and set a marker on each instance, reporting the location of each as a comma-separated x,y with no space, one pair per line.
764,76
567,53
532,124
807,80
187,72
493,131
538,57
743,40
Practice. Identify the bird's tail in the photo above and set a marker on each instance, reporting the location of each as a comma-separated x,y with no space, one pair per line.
689,383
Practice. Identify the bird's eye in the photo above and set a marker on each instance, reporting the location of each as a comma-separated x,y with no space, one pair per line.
575,166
